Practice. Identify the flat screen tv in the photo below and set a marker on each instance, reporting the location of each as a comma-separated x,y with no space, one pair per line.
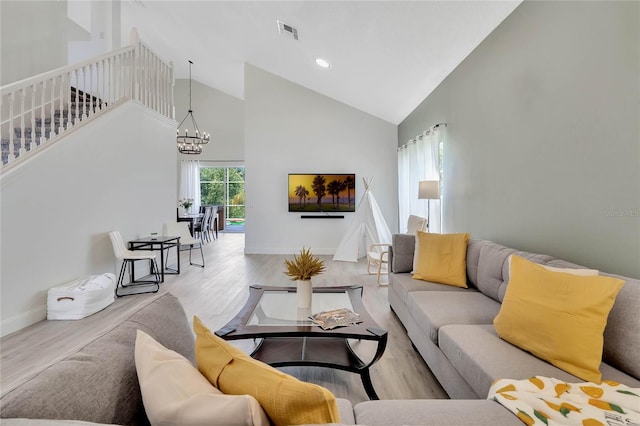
326,193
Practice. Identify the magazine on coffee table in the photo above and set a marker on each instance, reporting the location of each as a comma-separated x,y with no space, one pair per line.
328,320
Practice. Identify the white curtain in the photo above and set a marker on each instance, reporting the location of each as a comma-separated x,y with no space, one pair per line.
190,182
419,160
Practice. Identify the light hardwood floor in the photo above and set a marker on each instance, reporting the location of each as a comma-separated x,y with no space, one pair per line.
215,294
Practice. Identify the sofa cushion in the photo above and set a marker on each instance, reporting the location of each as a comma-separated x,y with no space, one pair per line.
401,252
442,258
285,399
403,284
102,373
433,309
480,356
176,394
557,316
473,257
434,412
346,411
621,336
491,263
493,268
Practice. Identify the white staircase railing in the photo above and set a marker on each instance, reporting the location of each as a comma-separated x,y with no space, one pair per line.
38,110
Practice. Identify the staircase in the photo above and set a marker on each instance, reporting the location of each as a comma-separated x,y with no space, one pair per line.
38,111
81,106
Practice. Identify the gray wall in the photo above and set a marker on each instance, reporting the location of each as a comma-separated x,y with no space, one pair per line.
543,149
291,129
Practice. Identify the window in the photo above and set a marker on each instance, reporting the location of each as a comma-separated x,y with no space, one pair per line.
224,186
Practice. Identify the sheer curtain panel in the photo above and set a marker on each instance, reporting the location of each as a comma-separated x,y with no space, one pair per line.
190,182
418,160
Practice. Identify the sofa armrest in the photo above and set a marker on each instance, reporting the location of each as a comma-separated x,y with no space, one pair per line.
401,252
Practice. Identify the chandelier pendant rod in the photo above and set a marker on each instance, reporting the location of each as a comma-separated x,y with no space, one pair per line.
191,144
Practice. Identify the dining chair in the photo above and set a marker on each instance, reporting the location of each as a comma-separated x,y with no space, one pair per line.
181,229
200,228
128,257
213,223
216,219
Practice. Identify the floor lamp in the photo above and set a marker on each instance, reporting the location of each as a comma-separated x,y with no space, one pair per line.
429,190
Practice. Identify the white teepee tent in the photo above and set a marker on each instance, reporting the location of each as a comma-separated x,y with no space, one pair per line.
367,227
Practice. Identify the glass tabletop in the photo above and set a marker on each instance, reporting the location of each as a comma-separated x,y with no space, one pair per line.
281,308
155,239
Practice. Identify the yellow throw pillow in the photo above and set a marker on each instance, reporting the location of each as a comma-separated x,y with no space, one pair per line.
176,394
285,399
442,258
558,317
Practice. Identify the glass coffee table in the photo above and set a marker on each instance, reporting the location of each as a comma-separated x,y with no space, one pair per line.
289,338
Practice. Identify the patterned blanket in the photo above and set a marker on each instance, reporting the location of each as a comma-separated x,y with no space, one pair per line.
548,401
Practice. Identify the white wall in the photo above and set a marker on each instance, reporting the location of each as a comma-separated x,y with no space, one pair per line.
291,129
94,29
117,172
543,150
33,38
79,12
217,113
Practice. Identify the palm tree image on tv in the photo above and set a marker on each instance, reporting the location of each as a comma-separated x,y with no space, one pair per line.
335,187
350,182
321,193
302,193
319,189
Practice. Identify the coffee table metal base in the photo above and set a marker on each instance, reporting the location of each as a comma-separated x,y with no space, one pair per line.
290,339
331,352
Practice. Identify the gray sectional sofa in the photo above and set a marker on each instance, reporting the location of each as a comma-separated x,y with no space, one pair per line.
452,327
98,384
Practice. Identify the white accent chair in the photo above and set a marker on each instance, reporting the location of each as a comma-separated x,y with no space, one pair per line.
181,229
128,257
378,254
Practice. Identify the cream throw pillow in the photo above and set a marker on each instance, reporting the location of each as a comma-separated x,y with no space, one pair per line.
558,317
415,224
285,399
442,258
175,393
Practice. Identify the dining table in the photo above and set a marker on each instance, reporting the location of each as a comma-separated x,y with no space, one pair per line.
157,243
191,218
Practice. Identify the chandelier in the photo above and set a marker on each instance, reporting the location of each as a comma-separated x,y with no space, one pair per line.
191,144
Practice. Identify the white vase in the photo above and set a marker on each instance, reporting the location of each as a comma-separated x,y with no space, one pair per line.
304,292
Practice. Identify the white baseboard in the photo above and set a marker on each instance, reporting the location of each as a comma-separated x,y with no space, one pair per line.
23,320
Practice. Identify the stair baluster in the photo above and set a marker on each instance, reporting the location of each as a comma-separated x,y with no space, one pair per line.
44,107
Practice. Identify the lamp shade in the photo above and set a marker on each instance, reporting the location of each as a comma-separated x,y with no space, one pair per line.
429,190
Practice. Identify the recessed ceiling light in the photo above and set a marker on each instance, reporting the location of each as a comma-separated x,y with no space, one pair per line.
322,62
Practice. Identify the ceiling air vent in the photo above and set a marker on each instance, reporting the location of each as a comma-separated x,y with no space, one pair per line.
287,29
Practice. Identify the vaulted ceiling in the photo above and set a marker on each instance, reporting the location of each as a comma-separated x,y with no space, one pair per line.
385,56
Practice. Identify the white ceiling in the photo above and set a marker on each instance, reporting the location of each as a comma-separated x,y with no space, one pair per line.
386,56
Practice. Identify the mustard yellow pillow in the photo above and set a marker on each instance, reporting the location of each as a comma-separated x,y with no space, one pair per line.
285,399
442,258
558,317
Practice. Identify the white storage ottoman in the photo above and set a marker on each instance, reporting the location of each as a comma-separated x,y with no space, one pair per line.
80,298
